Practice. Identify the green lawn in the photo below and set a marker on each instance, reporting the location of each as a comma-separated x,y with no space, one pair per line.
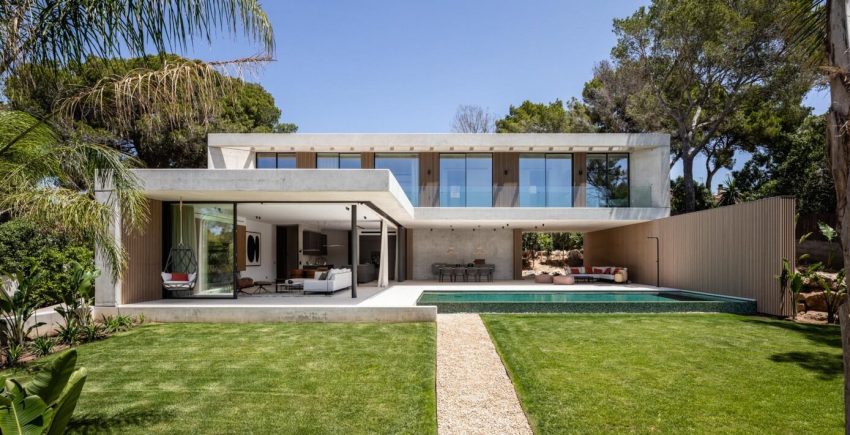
261,378
672,373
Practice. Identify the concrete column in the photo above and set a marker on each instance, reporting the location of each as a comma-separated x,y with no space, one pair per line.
107,292
354,246
401,254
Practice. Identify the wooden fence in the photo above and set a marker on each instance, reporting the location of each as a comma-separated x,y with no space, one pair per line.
735,250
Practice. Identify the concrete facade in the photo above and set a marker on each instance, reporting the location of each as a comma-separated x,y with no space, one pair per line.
462,246
453,235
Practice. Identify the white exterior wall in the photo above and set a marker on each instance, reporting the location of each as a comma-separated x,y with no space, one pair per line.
432,246
267,270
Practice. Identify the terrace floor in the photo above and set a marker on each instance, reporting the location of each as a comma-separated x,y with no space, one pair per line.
396,303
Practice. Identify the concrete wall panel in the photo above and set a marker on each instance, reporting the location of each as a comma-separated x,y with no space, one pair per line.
462,247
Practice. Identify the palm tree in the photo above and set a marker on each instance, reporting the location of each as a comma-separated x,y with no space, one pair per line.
729,193
819,30
50,169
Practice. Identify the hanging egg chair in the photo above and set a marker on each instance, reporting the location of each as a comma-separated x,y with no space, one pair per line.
181,268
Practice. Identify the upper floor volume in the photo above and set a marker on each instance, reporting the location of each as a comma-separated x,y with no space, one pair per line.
548,170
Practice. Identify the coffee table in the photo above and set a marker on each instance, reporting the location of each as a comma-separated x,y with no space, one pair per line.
287,287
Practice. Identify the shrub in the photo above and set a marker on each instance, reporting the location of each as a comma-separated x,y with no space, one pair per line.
17,305
42,346
27,248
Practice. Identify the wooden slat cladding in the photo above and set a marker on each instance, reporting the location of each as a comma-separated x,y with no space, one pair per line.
141,280
429,179
517,248
735,250
367,160
580,179
505,179
305,160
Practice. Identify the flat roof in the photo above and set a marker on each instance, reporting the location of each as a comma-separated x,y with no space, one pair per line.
424,142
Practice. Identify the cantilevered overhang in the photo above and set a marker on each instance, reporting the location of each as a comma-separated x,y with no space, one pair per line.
439,142
579,219
375,186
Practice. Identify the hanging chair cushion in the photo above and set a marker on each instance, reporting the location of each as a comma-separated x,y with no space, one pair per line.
178,278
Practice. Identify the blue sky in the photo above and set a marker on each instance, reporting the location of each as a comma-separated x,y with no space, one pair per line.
405,66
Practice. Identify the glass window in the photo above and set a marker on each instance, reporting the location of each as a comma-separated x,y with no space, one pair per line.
405,169
607,180
452,180
266,161
327,161
597,180
286,161
532,180
337,161
275,161
618,180
479,180
559,180
349,161
202,244
466,180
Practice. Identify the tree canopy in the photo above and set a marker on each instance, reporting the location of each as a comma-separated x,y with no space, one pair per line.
554,117
691,66
242,108
795,165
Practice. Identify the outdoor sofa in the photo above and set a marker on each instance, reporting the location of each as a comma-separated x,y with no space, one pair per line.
600,273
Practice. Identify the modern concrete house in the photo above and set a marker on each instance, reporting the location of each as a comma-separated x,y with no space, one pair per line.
270,206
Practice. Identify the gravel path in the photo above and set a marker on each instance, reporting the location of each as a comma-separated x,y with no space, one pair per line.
474,393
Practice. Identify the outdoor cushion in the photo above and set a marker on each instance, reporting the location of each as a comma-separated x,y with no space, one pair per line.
179,276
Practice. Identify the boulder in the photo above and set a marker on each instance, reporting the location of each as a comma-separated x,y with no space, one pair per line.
815,301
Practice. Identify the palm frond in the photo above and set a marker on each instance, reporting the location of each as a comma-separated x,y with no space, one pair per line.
63,32
805,29
52,181
178,92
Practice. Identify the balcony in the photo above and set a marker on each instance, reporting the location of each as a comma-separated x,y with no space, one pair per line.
537,197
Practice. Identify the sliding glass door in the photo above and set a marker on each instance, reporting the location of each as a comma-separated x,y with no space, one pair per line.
201,245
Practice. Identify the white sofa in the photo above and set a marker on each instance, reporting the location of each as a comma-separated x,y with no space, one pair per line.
336,279
601,273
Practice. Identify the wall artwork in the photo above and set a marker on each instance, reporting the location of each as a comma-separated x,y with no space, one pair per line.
253,249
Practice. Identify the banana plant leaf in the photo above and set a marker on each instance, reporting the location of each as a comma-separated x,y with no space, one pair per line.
22,414
50,382
67,402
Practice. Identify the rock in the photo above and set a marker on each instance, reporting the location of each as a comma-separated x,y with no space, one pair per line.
815,301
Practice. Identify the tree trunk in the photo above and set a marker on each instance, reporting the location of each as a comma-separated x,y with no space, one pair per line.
688,182
838,52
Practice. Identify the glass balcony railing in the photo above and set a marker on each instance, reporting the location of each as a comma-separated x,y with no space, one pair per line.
515,196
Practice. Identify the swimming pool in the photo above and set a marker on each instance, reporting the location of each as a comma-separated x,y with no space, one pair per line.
509,301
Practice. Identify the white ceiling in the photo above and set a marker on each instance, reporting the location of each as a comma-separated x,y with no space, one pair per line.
324,216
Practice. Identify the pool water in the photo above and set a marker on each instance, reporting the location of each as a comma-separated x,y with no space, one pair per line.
582,301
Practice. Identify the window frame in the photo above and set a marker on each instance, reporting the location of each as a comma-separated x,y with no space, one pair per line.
545,158
465,158
608,175
277,157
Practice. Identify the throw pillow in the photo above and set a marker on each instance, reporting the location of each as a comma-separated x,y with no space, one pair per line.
179,276
321,275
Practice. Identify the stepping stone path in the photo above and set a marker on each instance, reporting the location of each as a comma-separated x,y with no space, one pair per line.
474,393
